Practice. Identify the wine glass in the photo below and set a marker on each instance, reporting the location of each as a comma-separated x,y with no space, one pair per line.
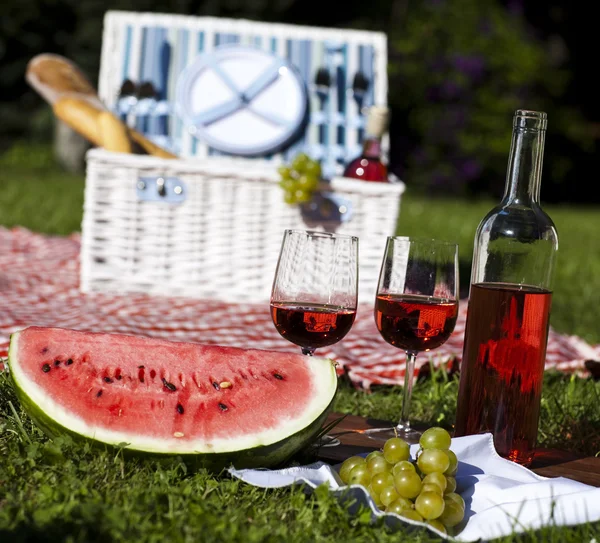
314,297
416,308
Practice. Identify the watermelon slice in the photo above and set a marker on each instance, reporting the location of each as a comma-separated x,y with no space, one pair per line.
215,405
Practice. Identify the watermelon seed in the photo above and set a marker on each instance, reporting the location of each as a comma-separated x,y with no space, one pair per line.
46,368
178,434
277,376
44,350
225,384
141,367
152,374
69,362
57,362
108,380
119,377
222,406
216,385
99,393
168,385
180,409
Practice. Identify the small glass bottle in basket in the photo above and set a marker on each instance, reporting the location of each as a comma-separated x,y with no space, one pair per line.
509,306
369,166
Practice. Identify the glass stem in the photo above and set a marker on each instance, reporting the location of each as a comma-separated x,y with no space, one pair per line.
308,351
411,357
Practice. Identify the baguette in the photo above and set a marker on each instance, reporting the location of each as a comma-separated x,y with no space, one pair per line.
81,115
148,146
114,133
53,76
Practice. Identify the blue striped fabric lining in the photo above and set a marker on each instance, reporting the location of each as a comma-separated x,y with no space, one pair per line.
163,54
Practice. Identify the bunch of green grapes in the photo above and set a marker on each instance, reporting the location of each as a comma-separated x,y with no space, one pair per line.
423,490
299,179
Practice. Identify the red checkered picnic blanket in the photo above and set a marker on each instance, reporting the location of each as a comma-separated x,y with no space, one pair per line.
39,285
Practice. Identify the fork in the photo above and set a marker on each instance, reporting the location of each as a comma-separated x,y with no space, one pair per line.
360,85
322,85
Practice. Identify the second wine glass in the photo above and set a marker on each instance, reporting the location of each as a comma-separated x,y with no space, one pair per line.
416,308
314,297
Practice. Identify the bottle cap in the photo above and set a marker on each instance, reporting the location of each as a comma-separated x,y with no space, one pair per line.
377,121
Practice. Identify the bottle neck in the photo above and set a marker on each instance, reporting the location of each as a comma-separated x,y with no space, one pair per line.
372,147
524,173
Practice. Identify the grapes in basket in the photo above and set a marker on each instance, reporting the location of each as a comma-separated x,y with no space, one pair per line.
422,490
299,179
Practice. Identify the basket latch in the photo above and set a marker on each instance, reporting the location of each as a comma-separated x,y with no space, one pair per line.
170,190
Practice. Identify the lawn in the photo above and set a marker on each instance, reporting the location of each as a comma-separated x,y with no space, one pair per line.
60,491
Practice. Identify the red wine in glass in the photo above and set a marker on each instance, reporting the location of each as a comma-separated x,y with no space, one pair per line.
313,326
503,366
416,307
315,290
415,322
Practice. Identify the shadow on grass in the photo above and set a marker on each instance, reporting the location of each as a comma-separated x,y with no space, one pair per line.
57,531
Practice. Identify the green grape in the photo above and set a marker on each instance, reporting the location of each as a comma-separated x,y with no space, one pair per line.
437,525
452,515
456,498
429,505
378,464
375,496
398,505
396,450
307,183
284,171
435,438
373,454
436,478
359,475
288,184
347,466
289,197
388,495
408,484
431,460
302,196
450,485
453,467
411,514
313,168
430,487
300,162
381,480
403,465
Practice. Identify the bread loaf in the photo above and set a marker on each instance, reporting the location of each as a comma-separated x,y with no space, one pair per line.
81,116
114,133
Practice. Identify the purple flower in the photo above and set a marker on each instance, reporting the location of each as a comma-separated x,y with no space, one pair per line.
470,168
449,89
471,65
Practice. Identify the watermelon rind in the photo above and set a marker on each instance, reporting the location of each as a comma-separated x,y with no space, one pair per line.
268,450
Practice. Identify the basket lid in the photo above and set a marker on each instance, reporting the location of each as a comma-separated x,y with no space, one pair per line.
244,88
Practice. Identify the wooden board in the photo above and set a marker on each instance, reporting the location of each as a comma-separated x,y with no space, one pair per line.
547,462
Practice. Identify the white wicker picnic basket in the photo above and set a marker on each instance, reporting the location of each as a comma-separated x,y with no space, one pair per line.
210,225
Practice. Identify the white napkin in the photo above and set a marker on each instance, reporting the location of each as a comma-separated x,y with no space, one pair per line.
500,497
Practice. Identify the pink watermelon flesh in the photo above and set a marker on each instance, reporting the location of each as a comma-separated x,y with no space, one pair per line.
165,394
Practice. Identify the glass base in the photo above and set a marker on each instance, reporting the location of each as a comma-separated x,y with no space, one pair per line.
408,434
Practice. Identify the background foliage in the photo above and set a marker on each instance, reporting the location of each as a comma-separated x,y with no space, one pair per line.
458,69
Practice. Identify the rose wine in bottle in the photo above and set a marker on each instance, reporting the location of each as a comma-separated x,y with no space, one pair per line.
369,166
509,306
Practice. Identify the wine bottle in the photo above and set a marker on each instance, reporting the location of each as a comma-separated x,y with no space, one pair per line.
509,305
369,165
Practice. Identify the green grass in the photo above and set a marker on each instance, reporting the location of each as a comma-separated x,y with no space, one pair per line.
62,491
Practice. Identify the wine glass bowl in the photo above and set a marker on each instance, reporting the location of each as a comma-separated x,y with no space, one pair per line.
416,307
315,290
